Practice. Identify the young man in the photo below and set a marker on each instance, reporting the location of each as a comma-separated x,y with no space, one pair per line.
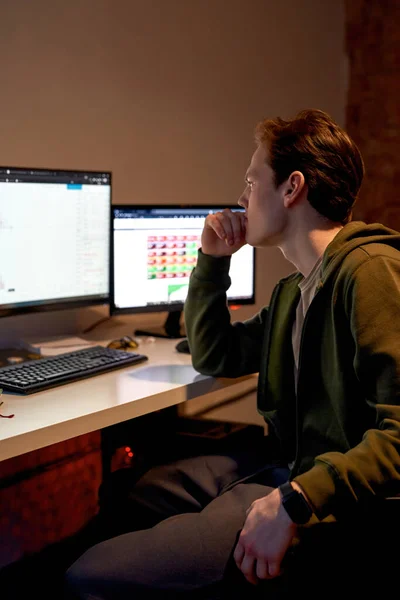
310,507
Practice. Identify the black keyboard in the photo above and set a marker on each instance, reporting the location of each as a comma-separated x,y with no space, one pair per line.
43,373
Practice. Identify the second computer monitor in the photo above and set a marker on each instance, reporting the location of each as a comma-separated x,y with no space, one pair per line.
54,239
153,252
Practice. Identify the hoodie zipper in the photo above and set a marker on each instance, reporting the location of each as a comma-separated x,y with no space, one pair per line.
262,393
297,415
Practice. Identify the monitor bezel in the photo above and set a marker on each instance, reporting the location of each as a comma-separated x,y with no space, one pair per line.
63,304
176,306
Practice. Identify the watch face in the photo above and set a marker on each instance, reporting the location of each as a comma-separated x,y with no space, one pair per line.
296,506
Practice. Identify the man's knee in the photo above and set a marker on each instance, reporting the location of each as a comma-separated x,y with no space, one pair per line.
78,581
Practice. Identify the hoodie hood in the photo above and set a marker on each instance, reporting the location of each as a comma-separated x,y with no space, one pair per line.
355,235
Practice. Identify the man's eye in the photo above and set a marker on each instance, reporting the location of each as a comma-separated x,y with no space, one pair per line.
250,184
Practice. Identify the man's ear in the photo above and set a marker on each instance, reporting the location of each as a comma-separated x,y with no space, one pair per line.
294,186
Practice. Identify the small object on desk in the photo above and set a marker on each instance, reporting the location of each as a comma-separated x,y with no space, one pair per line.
1,404
183,346
37,375
13,356
125,343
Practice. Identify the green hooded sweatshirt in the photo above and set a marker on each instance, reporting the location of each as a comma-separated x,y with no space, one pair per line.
341,430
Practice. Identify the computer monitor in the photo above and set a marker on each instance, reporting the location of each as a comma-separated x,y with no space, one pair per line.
153,251
54,239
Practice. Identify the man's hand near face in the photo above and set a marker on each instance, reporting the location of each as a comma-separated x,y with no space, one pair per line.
265,538
224,233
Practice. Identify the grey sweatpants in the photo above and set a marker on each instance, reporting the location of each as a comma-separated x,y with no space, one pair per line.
193,511
199,505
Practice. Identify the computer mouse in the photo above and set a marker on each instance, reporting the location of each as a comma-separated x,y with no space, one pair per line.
125,343
183,346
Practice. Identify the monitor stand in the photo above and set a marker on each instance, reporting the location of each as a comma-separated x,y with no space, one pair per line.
172,327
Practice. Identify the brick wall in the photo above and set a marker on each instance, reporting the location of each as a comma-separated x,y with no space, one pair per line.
48,495
373,106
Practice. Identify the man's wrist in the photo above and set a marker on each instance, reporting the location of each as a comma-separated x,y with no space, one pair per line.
299,489
205,253
295,502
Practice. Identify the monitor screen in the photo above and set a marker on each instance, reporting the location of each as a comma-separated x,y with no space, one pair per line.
153,251
54,239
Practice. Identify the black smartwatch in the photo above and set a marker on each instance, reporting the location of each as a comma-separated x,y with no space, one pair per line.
295,504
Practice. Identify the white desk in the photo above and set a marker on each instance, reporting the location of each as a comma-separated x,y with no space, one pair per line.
70,410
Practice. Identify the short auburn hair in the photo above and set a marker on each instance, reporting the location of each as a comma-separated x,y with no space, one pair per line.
330,161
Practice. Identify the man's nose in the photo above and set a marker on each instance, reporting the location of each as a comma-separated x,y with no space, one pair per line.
243,199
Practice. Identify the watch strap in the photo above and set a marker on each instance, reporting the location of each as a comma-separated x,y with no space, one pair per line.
295,504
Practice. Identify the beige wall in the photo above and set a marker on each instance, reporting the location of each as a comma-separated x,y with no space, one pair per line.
164,93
